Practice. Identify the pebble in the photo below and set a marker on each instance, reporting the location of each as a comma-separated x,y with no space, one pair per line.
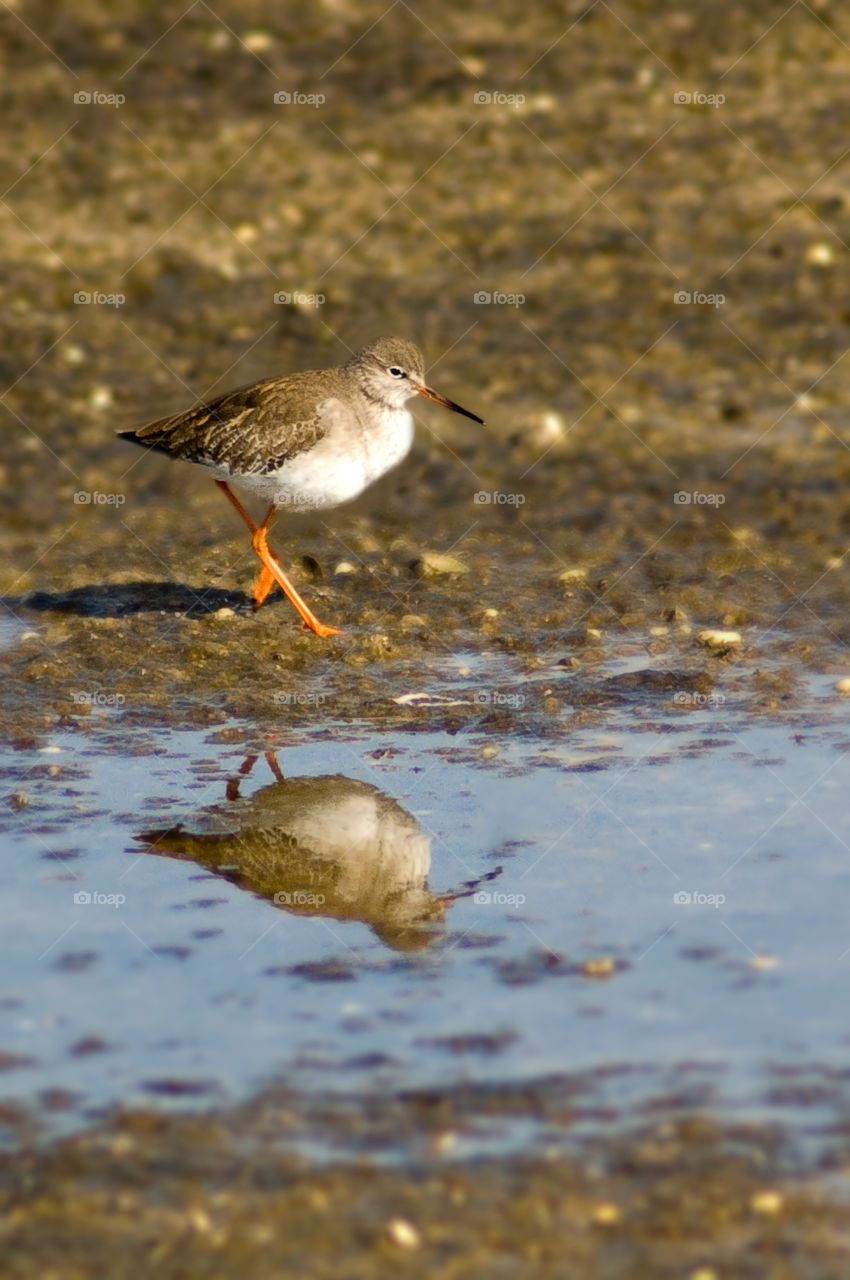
345,566
437,563
403,1233
720,641
820,253
224,613
843,685
767,1202
606,1214
257,41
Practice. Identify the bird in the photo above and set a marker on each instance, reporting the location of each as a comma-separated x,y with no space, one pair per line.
306,441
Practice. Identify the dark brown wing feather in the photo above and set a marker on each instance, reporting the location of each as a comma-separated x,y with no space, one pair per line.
252,430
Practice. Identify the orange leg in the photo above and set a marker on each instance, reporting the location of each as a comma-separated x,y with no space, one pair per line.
271,570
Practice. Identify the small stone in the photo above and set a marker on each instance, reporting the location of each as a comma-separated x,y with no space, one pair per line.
345,566
767,1202
403,1233
411,620
224,613
602,967
843,685
763,962
200,1219
491,613
489,753
433,564
607,1214
703,1273
719,641
572,575
820,253
257,41
101,398
553,425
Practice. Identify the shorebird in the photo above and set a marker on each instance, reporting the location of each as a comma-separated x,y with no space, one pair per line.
309,441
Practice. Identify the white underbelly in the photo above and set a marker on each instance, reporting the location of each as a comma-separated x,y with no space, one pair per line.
332,472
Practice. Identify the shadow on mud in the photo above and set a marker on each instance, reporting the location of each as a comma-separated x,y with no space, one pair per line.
122,599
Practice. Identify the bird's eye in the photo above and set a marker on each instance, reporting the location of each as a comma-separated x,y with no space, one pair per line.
396,372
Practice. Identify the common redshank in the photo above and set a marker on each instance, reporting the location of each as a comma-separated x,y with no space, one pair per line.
309,441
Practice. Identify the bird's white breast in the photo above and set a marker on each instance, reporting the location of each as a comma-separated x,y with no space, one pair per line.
350,457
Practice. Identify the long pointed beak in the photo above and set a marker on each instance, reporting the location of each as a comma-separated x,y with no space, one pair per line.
428,394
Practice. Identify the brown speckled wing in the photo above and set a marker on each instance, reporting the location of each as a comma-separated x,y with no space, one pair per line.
253,430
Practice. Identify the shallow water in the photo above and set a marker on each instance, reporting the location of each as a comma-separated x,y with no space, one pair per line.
656,907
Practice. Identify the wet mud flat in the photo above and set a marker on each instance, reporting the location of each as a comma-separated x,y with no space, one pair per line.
220,1195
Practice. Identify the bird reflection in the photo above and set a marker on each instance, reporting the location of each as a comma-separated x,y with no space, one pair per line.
328,846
